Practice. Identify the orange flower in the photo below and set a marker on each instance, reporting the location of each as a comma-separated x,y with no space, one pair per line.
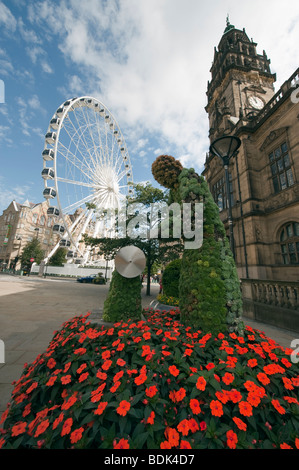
122,444
83,376
57,421
216,408
183,427
174,370
51,363
41,427
201,383
115,387
101,407
263,378
140,379
101,375
180,394
235,396
223,396
51,381
66,379
285,446
193,426
120,362
228,378
18,428
287,383
241,425
150,419
66,428
278,407
253,399
195,407
232,439
68,403
151,391
173,436
76,435
106,364
165,445
245,408
123,408
185,445
252,363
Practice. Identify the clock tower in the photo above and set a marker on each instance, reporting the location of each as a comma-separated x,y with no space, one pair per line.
241,83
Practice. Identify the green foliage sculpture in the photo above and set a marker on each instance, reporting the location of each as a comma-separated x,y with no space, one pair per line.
209,288
171,278
123,300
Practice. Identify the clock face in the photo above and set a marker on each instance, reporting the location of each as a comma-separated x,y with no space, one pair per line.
256,102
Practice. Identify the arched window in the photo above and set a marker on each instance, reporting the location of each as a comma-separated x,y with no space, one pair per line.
289,243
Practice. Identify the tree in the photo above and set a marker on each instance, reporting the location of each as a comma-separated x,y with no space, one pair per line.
58,259
155,248
209,289
32,250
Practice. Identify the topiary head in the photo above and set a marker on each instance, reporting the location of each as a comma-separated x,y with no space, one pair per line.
166,171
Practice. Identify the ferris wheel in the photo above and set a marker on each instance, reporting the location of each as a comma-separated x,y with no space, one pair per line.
86,169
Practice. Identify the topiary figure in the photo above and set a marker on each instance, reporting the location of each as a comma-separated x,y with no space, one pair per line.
123,300
209,288
171,278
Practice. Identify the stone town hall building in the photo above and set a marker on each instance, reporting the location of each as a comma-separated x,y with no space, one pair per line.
264,176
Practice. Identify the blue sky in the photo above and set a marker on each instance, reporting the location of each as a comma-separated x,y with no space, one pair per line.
148,61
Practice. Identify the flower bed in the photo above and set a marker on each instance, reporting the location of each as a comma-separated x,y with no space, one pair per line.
154,385
168,300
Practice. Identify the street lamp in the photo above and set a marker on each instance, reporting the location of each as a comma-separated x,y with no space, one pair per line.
225,148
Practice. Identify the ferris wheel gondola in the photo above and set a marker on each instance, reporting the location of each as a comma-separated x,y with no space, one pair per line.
86,168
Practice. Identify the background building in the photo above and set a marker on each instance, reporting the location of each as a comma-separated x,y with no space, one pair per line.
19,224
264,175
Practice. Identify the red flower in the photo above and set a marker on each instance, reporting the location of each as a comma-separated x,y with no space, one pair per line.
76,435
173,436
183,427
57,421
122,444
67,404
252,363
174,371
195,406
245,408
41,427
151,391
235,396
216,408
101,407
107,364
101,375
83,376
66,379
223,396
80,369
278,407
263,378
201,383
228,378
203,425
150,419
180,394
120,362
51,363
241,425
51,380
165,445
140,379
18,428
123,408
232,439
193,426
253,399
66,428
185,445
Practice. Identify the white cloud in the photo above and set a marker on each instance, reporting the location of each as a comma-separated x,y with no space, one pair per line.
149,61
7,19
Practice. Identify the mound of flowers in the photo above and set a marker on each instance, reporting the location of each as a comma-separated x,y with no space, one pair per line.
154,384
168,300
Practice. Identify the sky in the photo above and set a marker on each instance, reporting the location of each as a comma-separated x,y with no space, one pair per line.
147,61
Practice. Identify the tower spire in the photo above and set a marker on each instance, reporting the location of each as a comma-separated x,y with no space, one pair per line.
228,25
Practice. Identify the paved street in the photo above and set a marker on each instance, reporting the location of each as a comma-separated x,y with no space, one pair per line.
32,308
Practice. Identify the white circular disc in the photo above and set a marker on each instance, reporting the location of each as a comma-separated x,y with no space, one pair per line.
130,261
